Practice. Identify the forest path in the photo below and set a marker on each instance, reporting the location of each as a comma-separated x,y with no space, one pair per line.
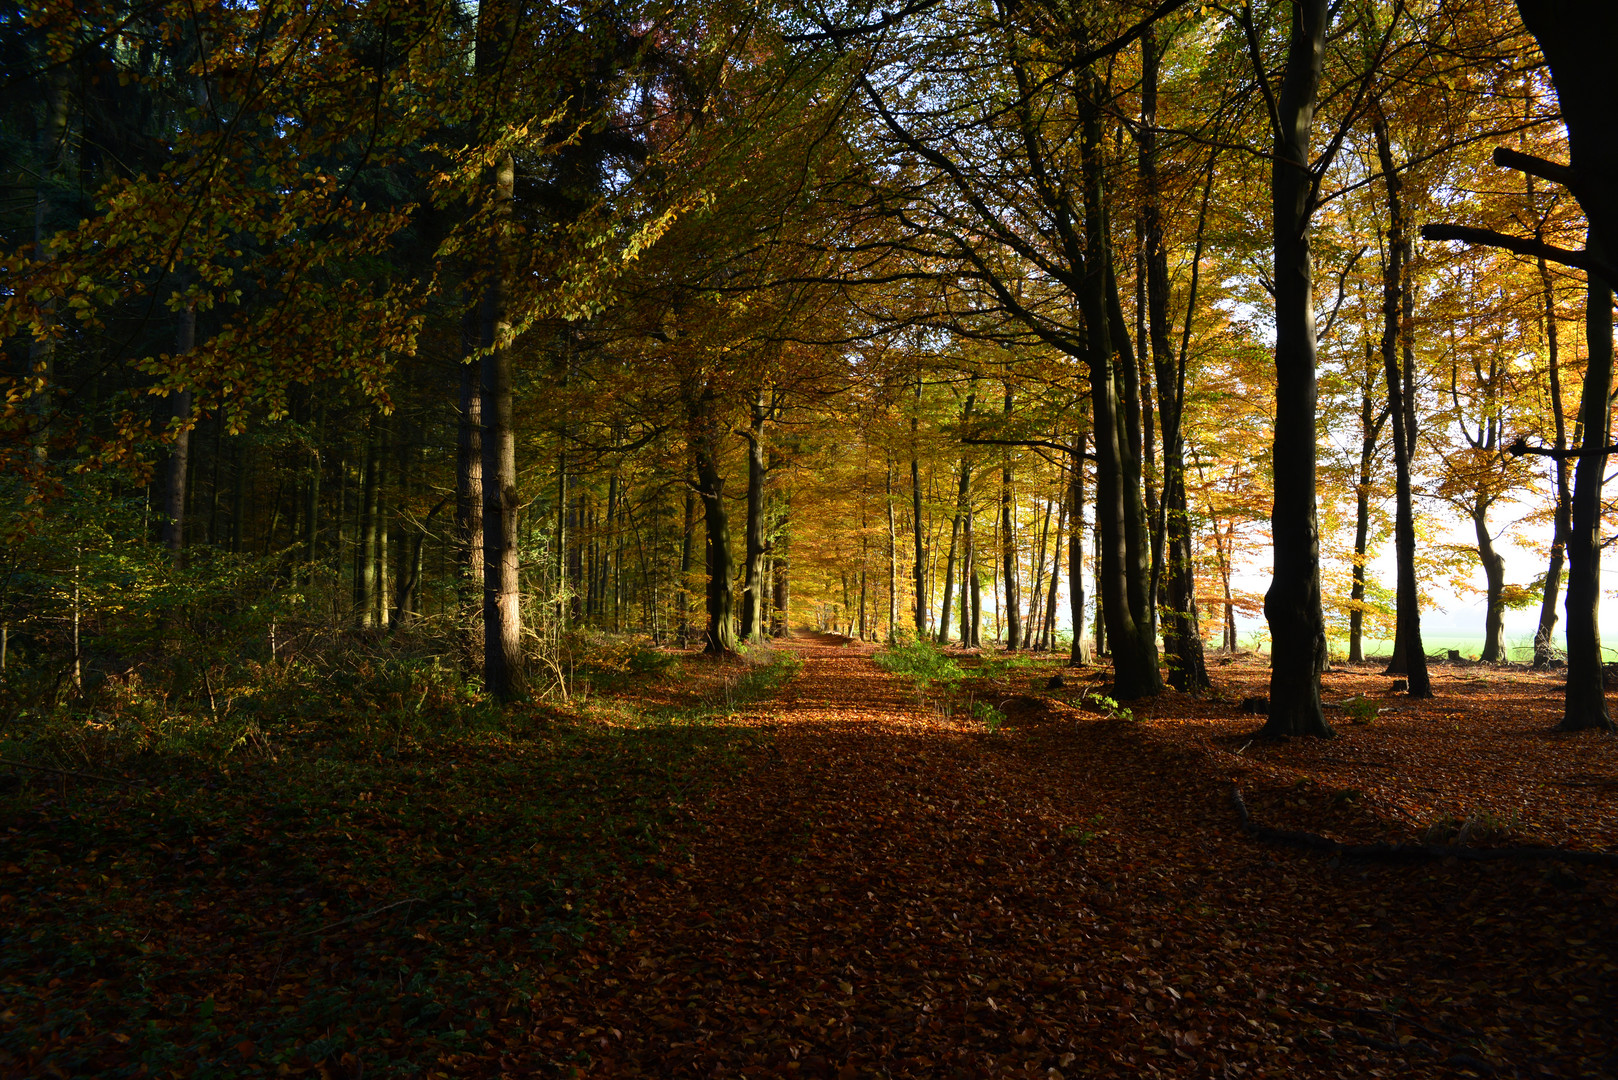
886,891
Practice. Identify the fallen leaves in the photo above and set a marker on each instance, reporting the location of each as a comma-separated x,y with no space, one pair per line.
880,888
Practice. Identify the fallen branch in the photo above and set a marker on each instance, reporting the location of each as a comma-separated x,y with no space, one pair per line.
68,772
1307,841
364,915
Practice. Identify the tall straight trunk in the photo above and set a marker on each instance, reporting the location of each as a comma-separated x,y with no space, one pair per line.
754,602
469,486
1036,598
1172,557
366,579
973,583
563,537
503,674
1370,427
179,463
893,564
1100,619
1008,545
1048,632
1585,706
916,526
1409,654
950,563
1544,636
1123,574
311,516
781,618
1292,603
1077,654
705,448
52,150
865,544
682,596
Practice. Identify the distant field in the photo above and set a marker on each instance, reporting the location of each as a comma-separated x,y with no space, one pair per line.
1519,647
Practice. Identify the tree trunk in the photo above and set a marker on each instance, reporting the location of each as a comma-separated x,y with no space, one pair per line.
705,447
503,674
753,599
469,486
366,578
1494,572
781,622
1124,573
1545,635
920,572
1409,654
1008,547
1075,577
682,596
1047,633
179,464
893,564
1586,702
1369,428
1292,603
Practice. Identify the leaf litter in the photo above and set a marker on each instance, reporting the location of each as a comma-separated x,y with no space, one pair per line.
875,886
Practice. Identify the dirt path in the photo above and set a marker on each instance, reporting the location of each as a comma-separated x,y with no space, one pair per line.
886,891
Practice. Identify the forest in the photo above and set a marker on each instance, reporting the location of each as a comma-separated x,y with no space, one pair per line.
756,537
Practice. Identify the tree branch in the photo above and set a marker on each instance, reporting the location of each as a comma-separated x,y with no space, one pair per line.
1520,245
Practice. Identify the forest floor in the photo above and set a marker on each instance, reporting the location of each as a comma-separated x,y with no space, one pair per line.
850,876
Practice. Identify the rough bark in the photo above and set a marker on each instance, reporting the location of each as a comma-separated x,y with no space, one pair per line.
1292,603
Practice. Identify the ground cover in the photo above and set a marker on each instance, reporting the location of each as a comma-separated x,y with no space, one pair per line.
361,889
863,874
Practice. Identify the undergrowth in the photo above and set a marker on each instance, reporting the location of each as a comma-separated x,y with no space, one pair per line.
326,862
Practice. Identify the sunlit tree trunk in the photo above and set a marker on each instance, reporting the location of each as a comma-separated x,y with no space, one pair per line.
754,602
1077,654
1008,547
503,674
469,485
893,563
916,528
1292,603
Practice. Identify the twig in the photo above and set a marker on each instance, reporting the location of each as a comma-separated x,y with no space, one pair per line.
1308,841
69,772
364,915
